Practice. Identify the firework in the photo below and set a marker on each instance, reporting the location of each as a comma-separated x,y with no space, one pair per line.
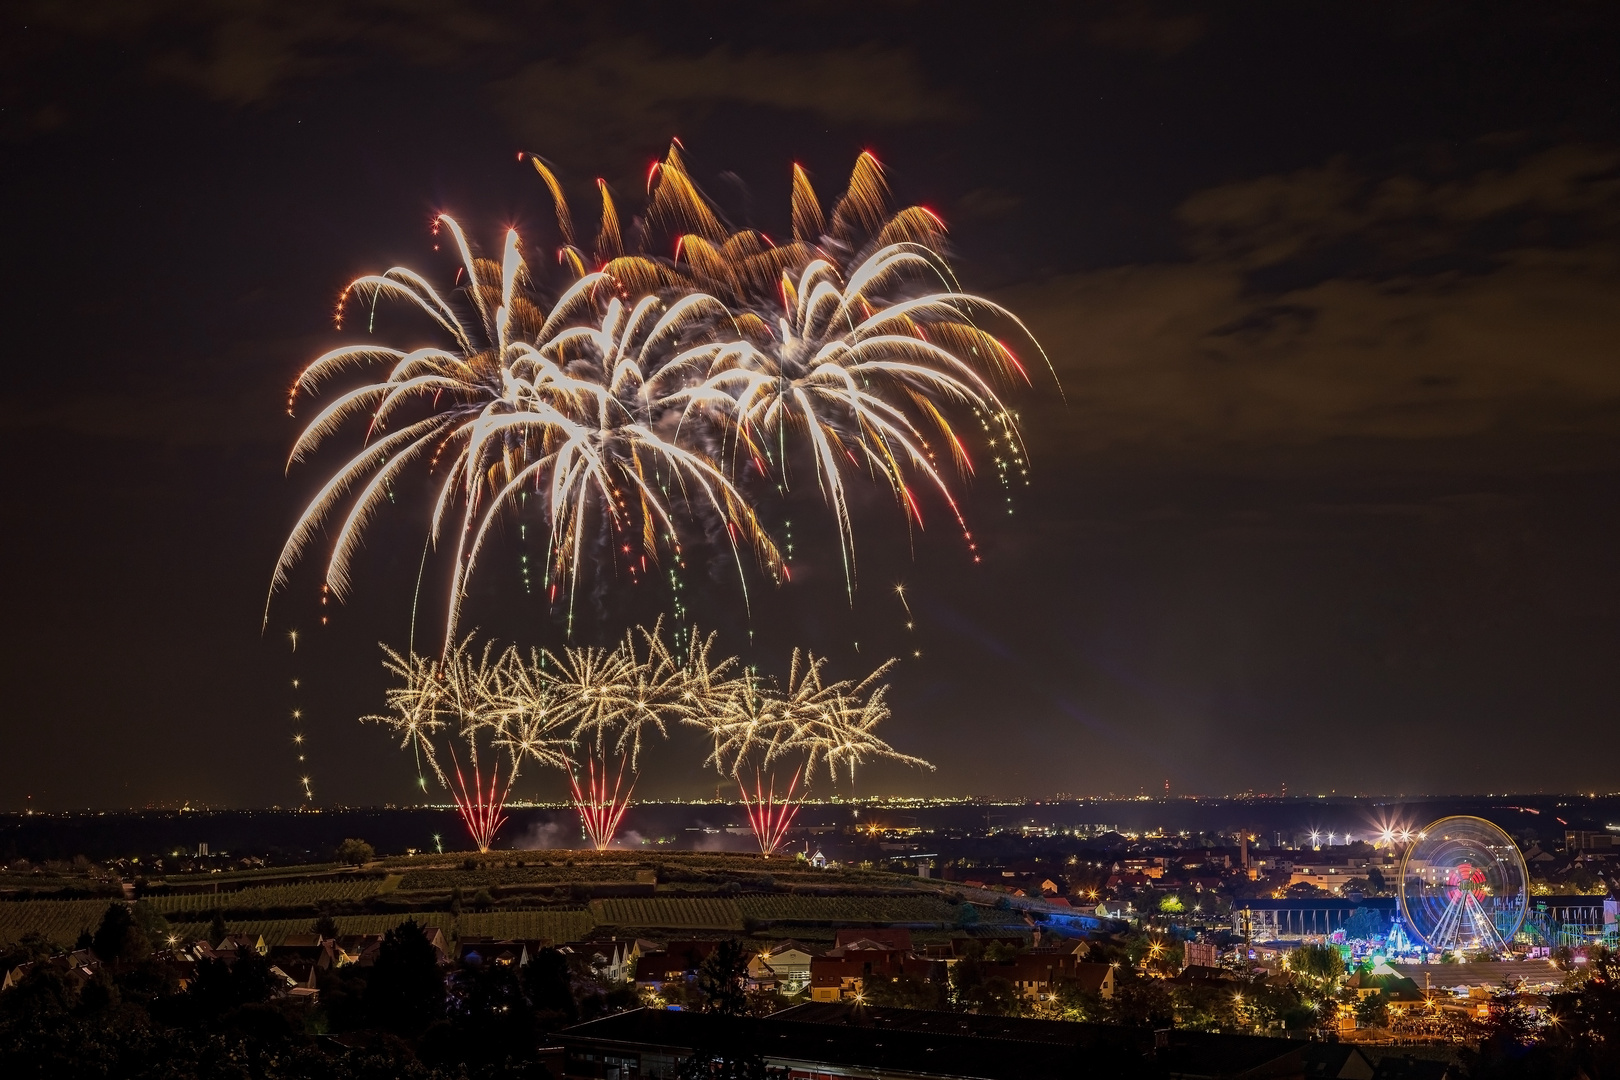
611,700
871,344
769,817
756,723
600,810
466,698
644,392
591,711
582,708
652,384
565,402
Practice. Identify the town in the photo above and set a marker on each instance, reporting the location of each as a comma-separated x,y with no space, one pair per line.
1235,950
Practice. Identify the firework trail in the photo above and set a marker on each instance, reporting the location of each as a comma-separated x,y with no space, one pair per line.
770,817
500,710
651,385
644,393
466,698
600,810
752,722
565,402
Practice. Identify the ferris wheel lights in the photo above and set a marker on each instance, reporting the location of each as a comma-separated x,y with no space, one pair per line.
1464,889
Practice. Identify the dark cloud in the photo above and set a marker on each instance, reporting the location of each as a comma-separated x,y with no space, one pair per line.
629,93
1408,310
245,51
1142,27
563,77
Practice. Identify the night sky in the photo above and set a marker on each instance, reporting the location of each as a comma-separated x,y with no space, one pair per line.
1329,497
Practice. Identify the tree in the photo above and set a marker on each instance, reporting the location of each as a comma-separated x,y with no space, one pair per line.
31,946
355,852
1366,924
152,925
720,979
118,938
549,986
978,989
1140,1001
728,1064
220,985
326,927
217,929
1373,1010
405,990
904,991
491,1020
1322,965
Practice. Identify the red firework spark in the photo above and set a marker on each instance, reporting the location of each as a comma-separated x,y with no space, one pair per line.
770,818
599,810
482,814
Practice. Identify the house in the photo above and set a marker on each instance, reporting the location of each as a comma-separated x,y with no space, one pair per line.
507,952
1128,881
679,961
358,949
301,955
841,974
1201,975
842,978
785,966
441,944
897,938
759,975
859,954
235,943
306,991
1036,975
612,962
1093,978
77,968
1148,867
1400,993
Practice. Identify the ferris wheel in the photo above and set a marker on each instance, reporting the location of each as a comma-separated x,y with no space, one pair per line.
1463,886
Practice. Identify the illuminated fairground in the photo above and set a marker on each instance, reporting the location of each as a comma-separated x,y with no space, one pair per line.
1462,891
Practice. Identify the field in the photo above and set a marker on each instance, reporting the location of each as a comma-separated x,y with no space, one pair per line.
558,925
59,920
269,896
672,914
276,931
868,909
777,897
491,876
